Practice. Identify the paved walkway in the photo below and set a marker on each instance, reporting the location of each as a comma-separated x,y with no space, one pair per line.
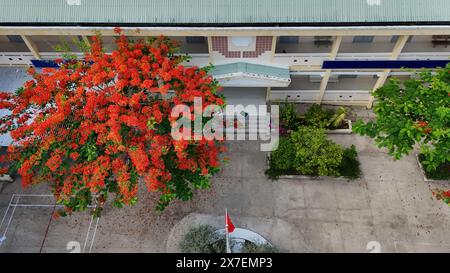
390,204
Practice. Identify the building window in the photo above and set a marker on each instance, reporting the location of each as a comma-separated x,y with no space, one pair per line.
363,39
15,38
288,40
195,39
394,39
348,76
323,38
325,41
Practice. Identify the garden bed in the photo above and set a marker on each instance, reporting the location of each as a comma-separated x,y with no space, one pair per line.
294,175
441,174
345,129
308,154
334,121
305,152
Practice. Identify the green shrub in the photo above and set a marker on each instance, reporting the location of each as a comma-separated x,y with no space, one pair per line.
288,116
250,247
315,154
350,165
201,239
281,160
442,172
337,117
283,157
273,173
318,117
306,151
315,116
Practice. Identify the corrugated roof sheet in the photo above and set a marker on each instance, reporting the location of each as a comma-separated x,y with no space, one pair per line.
223,11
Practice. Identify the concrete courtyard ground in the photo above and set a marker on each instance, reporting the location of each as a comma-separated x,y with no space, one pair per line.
390,204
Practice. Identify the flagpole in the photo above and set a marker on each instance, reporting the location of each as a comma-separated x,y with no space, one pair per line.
227,235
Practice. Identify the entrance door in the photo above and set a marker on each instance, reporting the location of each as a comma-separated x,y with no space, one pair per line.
249,99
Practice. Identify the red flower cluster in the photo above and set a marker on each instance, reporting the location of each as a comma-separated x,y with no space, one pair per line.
423,126
442,195
101,124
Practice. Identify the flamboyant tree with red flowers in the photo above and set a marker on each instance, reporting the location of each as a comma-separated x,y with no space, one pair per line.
100,125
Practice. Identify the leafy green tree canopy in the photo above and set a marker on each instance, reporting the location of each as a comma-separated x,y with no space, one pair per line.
412,112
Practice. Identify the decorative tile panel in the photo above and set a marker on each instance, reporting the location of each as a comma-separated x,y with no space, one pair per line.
220,44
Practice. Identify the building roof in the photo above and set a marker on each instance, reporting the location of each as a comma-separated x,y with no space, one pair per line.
248,74
223,12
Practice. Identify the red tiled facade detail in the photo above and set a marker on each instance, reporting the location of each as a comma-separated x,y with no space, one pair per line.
263,44
220,44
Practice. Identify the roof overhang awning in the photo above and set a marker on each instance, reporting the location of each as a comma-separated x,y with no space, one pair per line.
251,75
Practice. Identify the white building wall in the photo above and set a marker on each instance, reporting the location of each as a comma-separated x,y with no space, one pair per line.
305,57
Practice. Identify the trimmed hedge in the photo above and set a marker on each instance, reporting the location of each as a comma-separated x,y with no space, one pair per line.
307,151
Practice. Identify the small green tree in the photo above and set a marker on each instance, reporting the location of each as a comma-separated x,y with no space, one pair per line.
315,154
282,157
318,117
338,117
416,111
350,167
288,116
263,248
306,151
202,239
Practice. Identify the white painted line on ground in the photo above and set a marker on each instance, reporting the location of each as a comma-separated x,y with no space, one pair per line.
16,204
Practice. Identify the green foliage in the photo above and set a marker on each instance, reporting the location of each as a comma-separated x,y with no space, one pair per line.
318,117
254,248
315,116
415,112
201,239
69,139
338,117
288,116
349,167
306,151
273,173
65,47
442,195
315,154
442,172
281,158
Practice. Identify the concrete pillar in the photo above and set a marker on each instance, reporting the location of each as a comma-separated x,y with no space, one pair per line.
31,46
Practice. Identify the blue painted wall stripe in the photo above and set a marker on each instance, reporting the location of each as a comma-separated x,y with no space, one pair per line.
44,63
334,64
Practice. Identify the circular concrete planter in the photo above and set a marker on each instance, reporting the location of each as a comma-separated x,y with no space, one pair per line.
240,235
